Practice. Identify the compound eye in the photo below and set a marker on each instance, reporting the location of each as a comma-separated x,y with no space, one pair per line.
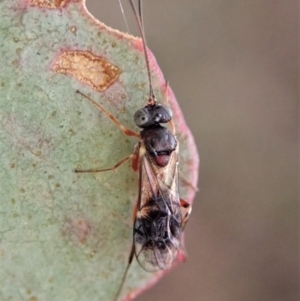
163,114
169,112
141,118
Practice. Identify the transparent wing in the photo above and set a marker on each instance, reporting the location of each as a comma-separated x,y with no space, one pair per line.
158,181
157,229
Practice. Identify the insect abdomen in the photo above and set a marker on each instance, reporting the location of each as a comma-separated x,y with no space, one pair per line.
157,234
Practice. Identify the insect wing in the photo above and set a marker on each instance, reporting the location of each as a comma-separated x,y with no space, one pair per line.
157,228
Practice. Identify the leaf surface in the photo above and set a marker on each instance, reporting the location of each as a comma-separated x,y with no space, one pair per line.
67,236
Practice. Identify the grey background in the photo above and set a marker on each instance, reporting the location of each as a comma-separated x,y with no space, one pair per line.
233,66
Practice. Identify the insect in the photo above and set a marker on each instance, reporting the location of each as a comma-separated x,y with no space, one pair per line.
159,215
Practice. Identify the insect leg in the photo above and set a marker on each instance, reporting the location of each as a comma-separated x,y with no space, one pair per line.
167,103
186,210
125,130
125,273
132,156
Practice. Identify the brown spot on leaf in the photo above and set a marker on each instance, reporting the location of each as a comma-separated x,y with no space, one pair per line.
38,153
52,4
88,68
73,30
78,230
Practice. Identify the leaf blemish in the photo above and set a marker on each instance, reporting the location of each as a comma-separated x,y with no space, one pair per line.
78,230
73,30
96,71
49,4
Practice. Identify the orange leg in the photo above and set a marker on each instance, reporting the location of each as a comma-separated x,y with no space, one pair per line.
132,156
167,103
186,210
125,130
125,273
135,159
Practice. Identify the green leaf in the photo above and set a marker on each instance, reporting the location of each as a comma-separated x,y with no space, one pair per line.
67,236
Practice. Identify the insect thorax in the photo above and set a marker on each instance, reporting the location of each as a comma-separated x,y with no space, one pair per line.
159,143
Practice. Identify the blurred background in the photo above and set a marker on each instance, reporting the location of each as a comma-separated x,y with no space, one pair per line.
233,66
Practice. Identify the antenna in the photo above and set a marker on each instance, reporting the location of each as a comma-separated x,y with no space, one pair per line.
123,14
138,15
